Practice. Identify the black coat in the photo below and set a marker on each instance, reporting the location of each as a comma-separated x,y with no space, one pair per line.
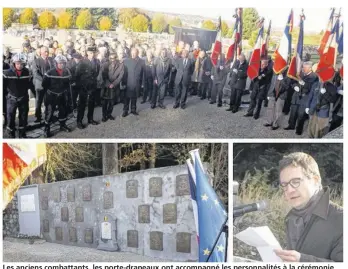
301,97
200,74
161,70
134,76
39,68
111,75
238,80
55,83
183,74
260,86
16,86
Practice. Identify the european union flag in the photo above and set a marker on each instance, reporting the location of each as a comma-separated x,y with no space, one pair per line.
211,216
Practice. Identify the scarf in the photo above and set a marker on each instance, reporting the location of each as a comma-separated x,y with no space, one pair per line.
198,65
298,219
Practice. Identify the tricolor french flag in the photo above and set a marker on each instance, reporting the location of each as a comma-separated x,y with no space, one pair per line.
264,49
235,48
283,52
255,59
296,61
327,61
217,45
327,33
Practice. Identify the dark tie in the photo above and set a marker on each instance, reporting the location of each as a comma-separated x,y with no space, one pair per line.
185,61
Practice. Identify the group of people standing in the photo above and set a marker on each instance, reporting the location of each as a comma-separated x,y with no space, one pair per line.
87,73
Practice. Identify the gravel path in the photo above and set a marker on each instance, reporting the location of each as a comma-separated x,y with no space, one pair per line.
49,252
198,120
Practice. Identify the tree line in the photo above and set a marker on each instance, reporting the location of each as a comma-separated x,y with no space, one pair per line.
105,19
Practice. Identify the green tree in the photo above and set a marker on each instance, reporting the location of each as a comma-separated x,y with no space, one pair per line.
250,18
28,16
8,17
140,23
224,29
99,13
126,15
174,22
105,23
208,24
230,32
253,37
47,20
65,20
159,23
84,20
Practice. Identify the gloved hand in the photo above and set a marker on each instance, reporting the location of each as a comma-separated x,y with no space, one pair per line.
301,82
263,75
221,67
280,77
235,70
267,98
322,90
307,110
212,77
259,77
296,88
340,92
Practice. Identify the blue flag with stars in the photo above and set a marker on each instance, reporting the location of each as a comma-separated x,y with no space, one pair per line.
211,216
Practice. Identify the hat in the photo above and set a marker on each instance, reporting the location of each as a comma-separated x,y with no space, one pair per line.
77,56
91,49
26,43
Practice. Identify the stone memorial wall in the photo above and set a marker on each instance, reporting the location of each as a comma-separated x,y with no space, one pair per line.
147,212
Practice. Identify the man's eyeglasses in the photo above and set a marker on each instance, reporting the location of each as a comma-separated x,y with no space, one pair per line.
295,183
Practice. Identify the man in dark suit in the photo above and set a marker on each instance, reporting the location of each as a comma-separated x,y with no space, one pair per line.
218,76
300,98
184,70
134,70
161,72
238,74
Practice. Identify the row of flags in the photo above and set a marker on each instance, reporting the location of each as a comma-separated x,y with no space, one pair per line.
330,45
209,213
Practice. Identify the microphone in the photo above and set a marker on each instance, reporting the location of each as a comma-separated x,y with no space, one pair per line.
243,209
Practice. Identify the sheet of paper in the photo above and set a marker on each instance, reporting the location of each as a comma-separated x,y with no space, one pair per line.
263,239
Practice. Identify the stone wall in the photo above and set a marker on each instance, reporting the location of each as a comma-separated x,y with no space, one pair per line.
150,210
10,224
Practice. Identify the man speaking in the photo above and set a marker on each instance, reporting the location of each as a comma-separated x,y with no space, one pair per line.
314,225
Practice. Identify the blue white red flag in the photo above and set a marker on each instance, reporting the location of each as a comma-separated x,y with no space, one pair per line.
283,52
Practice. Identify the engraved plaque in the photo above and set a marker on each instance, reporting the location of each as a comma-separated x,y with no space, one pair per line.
79,214
144,214
169,213
86,193
71,193
106,230
183,242
132,239
155,187
59,234
89,236
56,195
132,189
46,226
156,241
64,214
108,200
72,234
44,203
182,185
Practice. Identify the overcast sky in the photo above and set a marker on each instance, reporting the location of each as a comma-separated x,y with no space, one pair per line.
316,18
